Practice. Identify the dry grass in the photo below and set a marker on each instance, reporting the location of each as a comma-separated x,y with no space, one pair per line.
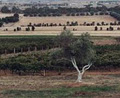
57,30
64,19
26,86
77,33
2,15
40,82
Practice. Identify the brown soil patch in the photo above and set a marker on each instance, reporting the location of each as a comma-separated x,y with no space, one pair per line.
75,84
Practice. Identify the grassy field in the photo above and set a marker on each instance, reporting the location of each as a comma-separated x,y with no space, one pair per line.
95,85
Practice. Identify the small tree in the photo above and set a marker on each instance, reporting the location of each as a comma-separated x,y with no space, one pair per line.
79,51
16,15
101,28
33,28
96,28
1,24
5,9
64,28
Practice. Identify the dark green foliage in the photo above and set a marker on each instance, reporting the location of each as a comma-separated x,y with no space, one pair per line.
10,19
9,43
24,64
65,38
115,15
5,9
107,56
81,49
15,10
108,60
16,15
1,23
107,48
62,11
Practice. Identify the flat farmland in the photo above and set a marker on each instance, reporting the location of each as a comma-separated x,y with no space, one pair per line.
2,15
56,30
64,19
76,33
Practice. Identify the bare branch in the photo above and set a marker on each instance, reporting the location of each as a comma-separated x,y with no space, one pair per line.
75,65
86,67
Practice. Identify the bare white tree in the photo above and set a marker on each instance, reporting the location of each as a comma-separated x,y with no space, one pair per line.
80,72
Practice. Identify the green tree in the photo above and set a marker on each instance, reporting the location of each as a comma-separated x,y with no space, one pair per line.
5,9
80,51
16,15
15,10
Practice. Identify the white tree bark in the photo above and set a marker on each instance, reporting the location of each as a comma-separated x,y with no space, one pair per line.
80,73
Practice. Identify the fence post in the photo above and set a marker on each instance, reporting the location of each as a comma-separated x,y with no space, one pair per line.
14,51
5,51
21,50
42,47
28,49
35,49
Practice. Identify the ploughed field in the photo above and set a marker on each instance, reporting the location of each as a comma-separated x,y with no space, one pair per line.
55,30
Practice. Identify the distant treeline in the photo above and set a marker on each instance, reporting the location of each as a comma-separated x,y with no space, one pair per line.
60,11
45,11
33,12
9,19
115,15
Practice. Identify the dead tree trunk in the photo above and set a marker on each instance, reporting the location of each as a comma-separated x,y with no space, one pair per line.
80,73
5,51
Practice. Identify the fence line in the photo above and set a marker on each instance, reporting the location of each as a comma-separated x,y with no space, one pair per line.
26,50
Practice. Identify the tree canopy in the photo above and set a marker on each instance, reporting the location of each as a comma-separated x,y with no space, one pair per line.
78,52
80,49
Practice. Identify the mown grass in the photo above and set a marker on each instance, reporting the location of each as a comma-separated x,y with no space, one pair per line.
62,92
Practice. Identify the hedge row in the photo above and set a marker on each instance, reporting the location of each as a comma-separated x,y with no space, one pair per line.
18,43
107,57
